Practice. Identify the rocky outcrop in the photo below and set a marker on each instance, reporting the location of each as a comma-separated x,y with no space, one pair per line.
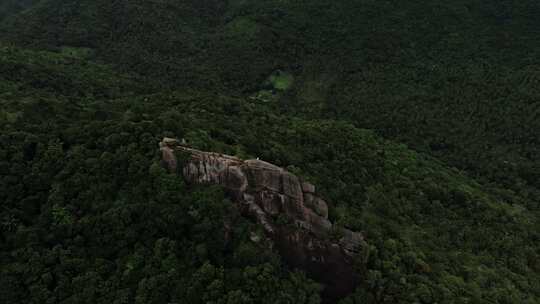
289,210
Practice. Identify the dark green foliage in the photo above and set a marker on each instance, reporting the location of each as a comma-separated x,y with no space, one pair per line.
11,7
88,215
444,185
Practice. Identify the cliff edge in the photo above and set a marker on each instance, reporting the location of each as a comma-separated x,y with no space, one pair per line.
305,237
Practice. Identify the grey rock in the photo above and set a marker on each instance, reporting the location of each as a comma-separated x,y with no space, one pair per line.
308,187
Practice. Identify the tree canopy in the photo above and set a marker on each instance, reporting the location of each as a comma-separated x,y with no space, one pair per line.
417,121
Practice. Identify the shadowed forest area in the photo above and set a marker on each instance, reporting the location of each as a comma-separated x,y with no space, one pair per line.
417,121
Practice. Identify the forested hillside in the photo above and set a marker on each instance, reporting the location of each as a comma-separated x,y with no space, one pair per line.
418,122
11,7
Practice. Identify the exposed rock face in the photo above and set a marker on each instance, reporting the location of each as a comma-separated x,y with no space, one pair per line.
305,237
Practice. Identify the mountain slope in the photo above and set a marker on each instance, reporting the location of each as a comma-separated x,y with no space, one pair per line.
456,80
417,120
85,186
89,216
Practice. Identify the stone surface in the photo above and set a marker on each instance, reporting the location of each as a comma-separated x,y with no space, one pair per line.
265,193
167,154
308,187
317,204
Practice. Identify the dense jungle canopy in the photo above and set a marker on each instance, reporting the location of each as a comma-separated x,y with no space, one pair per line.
418,120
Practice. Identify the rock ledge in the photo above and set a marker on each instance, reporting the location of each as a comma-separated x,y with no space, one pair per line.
266,193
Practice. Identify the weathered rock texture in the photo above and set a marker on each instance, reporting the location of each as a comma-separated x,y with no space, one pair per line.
305,237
